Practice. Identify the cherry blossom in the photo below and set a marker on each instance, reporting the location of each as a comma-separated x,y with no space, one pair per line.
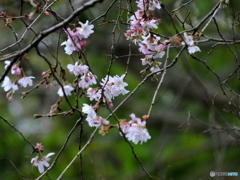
67,89
88,109
151,4
87,80
111,87
188,39
114,86
193,49
8,85
77,69
9,96
135,130
7,63
137,133
76,37
92,118
124,125
26,81
15,70
190,42
96,121
145,61
94,94
40,162
155,69
85,29
70,46
149,24
140,30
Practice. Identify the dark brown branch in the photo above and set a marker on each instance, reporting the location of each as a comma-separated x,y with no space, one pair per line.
16,55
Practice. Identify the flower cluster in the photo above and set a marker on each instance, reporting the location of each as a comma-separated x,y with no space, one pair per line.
11,86
77,37
86,79
111,87
192,48
142,21
84,76
92,118
40,161
141,24
135,130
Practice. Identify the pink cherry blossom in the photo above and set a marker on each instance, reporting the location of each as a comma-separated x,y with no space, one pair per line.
96,121
149,24
142,24
76,37
94,94
151,4
154,4
87,80
26,81
143,48
155,69
67,89
9,96
7,63
85,29
8,85
16,70
72,34
88,109
124,125
70,46
188,39
114,86
40,162
137,132
92,118
145,61
77,69
193,49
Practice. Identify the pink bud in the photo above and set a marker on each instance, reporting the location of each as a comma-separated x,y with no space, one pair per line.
31,15
16,70
83,43
3,13
9,96
110,104
48,86
55,83
10,99
46,13
44,74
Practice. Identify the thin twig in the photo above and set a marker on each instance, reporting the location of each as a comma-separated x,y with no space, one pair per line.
79,152
20,133
62,148
160,82
16,55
